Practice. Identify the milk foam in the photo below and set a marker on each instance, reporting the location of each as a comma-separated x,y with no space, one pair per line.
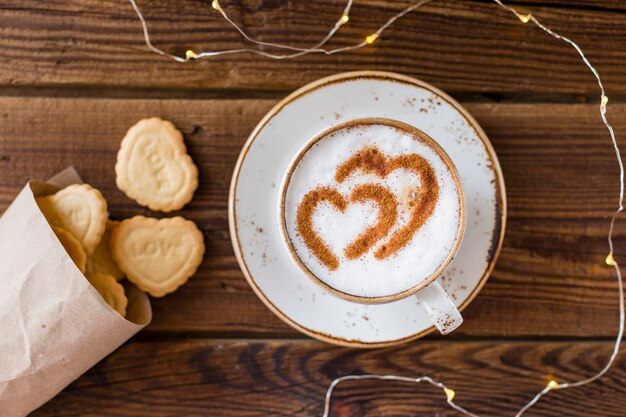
367,276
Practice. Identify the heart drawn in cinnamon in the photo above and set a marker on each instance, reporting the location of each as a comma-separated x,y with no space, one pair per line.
371,161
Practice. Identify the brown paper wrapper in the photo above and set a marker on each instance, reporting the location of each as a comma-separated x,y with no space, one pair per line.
54,325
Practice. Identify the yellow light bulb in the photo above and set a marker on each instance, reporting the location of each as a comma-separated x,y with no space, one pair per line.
610,260
344,19
449,393
525,18
189,54
216,5
553,384
371,38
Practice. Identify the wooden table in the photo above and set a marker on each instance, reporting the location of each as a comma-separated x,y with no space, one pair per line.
75,75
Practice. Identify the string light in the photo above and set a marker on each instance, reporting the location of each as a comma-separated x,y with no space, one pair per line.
449,394
296,51
370,39
552,385
609,260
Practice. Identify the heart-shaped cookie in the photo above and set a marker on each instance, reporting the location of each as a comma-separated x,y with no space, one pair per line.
111,290
388,213
153,167
73,248
79,209
422,201
157,255
101,261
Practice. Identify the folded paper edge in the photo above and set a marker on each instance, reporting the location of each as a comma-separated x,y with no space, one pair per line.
139,315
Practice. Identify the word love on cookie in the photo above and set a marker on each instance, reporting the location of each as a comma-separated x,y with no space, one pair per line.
157,255
153,167
78,209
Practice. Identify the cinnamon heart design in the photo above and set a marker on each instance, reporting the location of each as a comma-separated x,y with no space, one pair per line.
387,205
371,161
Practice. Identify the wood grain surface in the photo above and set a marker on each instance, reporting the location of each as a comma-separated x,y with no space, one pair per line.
557,161
289,378
75,75
99,45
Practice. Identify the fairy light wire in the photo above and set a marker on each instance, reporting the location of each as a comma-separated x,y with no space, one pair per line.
370,39
610,259
343,19
449,393
146,36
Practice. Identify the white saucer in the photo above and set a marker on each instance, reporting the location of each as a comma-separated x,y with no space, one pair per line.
265,158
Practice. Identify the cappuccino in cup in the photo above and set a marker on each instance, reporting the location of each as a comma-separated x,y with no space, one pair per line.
373,211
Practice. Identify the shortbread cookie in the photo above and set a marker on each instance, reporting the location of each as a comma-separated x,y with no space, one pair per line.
101,261
79,209
157,255
111,290
73,247
153,167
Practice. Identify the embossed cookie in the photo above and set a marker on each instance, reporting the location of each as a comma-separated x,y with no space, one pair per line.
73,247
101,260
153,167
157,255
111,290
79,209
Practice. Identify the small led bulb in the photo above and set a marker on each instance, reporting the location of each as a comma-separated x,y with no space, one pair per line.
344,19
525,18
610,260
371,38
553,384
216,5
449,393
189,54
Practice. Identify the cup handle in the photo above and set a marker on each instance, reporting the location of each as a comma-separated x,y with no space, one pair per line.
440,308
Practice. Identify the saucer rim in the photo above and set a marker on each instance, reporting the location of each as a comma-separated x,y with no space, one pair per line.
494,250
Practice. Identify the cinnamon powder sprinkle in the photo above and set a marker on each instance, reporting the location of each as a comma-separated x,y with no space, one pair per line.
369,159
372,160
388,212
424,203
304,218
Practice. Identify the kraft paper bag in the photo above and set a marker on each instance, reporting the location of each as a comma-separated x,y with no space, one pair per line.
54,325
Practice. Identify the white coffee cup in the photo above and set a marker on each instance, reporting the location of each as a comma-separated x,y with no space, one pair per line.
418,228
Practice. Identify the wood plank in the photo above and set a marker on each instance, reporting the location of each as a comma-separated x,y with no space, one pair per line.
558,164
617,5
462,46
236,378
